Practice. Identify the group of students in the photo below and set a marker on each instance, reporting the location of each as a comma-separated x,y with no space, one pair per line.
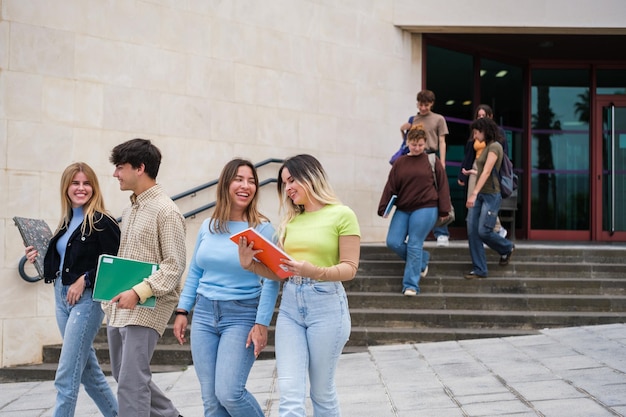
228,295
423,194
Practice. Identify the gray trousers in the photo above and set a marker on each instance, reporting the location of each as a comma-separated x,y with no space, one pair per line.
131,350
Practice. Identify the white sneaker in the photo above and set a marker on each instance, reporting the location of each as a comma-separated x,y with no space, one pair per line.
502,232
424,272
442,241
409,292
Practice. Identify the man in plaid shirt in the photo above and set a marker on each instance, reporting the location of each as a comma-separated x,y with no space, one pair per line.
153,230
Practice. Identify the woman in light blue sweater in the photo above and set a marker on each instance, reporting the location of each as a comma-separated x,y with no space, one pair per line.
233,307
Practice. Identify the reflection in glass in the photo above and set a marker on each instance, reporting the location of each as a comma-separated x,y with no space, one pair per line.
560,150
613,180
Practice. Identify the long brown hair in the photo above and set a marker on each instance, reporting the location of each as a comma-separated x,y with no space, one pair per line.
221,214
95,203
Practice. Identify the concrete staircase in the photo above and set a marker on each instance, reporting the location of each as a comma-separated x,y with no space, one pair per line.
546,285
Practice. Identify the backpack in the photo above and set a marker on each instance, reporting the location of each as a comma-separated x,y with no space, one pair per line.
402,151
506,177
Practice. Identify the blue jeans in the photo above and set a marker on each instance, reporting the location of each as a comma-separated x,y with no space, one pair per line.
312,328
219,330
78,363
415,225
481,219
440,231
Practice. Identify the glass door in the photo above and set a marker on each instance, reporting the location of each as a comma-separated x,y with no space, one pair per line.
609,168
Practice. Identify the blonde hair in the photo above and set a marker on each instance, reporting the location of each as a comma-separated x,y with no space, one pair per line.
307,172
91,207
221,214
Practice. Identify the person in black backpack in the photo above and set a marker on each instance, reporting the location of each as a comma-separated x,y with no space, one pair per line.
484,201
473,149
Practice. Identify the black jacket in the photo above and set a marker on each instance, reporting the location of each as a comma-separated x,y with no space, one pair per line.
82,251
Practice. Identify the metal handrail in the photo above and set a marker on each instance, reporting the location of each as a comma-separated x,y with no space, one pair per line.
192,213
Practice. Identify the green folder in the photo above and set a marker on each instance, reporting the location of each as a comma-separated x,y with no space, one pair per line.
115,275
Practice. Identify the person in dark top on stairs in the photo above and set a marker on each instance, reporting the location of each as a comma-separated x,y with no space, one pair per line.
435,128
473,149
418,206
484,201
85,232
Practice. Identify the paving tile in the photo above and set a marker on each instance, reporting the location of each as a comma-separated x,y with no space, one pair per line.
578,407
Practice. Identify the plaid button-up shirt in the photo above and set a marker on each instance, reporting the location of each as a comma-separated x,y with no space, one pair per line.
153,230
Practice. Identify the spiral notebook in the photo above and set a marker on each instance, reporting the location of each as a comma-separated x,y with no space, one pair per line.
36,233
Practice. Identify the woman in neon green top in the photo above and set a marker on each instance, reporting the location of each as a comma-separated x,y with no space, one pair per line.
322,236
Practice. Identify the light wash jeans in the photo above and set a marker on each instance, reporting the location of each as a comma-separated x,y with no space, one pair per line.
312,328
219,330
415,226
440,231
78,363
481,220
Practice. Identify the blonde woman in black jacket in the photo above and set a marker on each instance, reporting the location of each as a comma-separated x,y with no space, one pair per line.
85,232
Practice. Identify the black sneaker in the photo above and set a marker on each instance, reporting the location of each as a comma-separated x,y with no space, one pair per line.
504,259
473,275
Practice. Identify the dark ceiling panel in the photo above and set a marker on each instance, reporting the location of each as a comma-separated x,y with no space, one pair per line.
540,47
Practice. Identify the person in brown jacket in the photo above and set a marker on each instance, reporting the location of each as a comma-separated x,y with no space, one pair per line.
418,205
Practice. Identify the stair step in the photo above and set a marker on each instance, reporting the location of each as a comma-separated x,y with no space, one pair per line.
456,268
372,336
428,318
164,354
45,371
515,285
541,252
490,301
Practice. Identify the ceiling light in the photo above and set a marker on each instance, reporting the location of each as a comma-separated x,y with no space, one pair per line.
449,102
483,72
501,74
467,102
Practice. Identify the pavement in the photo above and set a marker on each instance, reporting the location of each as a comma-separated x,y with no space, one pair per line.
577,371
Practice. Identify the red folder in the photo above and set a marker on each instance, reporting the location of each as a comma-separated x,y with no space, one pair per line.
271,255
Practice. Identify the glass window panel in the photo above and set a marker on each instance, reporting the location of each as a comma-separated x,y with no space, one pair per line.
560,150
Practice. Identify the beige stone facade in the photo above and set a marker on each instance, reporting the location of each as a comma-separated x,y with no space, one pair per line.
208,80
